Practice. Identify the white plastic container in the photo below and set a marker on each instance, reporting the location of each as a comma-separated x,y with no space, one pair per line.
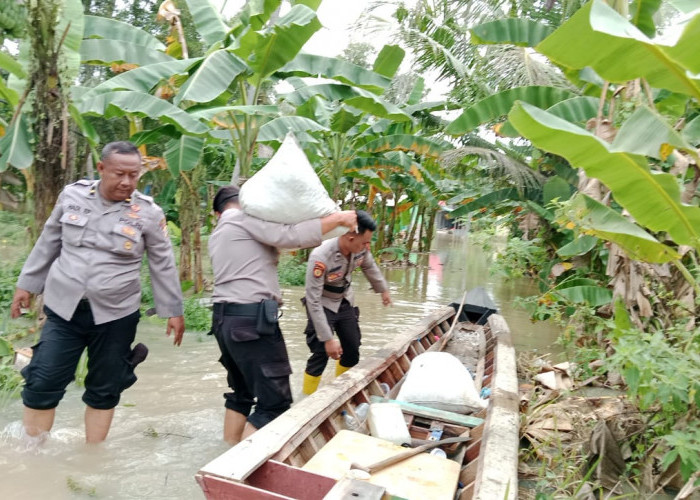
386,422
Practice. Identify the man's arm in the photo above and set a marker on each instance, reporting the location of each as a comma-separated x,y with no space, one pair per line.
46,249
304,234
316,270
167,293
375,277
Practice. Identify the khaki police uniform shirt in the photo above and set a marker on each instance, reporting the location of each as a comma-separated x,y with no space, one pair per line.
328,266
90,248
244,255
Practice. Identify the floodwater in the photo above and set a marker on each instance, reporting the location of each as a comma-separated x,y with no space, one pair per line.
169,424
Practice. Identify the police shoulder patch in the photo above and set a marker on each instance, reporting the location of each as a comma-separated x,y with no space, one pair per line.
319,268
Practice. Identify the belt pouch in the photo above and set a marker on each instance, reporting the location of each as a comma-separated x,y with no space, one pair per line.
267,317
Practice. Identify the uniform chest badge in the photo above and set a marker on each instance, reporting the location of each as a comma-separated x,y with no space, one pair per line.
128,245
334,276
319,268
73,217
133,215
128,230
135,207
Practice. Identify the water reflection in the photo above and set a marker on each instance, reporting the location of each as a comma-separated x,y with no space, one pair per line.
169,424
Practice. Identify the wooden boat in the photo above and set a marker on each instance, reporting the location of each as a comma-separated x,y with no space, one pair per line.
282,460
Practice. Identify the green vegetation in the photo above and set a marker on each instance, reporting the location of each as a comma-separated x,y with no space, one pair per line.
585,153
291,272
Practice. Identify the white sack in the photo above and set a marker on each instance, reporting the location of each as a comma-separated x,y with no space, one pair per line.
439,380
287,189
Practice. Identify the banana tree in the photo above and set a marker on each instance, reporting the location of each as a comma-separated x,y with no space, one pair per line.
38,89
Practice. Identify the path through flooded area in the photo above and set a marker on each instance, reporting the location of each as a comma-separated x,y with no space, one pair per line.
169,423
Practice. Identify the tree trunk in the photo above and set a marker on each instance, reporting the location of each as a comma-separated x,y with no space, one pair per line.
392,224
421,231
190,228
187,218
412,232
50,124
380,225
430,229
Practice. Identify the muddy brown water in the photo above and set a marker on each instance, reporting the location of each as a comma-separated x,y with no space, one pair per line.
169,424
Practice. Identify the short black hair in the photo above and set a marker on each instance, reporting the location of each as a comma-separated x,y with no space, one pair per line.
119,147
364,222
224,195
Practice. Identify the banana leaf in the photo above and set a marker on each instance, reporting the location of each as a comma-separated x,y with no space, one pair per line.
512,30
642,12
111,29
497,105
183,154
645,133
691,132
580,246
121,103
594,296
605,223
9,64
422,146
278,128
267,51
352,96
101,51
268,110
209,23
488,200
143,79
71,21
14,146
330,67
652,198
212,78
596,35
344,119
388,60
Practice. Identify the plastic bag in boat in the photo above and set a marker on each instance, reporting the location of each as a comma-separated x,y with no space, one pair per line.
287,189
439,380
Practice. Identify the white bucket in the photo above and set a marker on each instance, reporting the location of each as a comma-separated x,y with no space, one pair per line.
386,422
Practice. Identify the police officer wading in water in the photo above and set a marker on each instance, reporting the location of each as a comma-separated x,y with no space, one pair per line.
87,262
244,256
329,300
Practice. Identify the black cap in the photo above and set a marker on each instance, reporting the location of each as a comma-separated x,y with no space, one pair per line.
223,196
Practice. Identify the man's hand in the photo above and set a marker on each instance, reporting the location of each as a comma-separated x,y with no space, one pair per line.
347,218
333,348
386,298
20,301
176,324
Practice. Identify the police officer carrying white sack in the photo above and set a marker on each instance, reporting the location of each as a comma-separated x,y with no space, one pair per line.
87,263
244,255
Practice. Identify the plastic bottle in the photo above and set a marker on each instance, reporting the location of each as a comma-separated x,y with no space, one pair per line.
350,422
361,411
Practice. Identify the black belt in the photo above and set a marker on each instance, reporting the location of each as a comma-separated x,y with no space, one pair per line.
229,309
335,289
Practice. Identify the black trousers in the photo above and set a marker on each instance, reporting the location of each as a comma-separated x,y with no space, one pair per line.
345,325
257,368
58,352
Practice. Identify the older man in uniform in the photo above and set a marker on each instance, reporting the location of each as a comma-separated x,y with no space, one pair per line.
330,300
244,255
87,262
